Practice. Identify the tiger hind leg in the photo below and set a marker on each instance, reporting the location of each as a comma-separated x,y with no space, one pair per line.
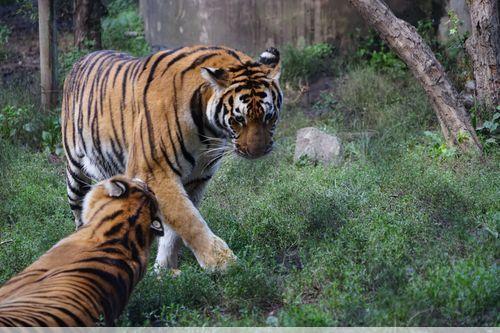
168,250
77,186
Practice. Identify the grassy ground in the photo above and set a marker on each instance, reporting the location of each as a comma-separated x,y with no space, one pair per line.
399,234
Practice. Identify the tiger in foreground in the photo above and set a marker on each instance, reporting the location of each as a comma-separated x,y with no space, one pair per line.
168,118
92,272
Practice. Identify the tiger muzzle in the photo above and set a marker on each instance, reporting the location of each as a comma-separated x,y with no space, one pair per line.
258,141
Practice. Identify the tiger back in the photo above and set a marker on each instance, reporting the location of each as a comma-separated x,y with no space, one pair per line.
91,273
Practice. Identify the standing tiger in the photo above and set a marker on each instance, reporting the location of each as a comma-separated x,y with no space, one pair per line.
168,118
92,272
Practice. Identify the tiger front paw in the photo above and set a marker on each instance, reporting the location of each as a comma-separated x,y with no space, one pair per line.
214,254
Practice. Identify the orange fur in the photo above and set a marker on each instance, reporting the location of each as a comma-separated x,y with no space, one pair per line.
93,271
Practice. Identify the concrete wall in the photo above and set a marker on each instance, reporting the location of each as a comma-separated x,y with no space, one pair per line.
253,25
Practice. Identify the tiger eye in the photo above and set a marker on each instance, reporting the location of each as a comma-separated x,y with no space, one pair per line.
239,118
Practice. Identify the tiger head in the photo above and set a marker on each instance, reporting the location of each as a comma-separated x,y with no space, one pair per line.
124,202
246,103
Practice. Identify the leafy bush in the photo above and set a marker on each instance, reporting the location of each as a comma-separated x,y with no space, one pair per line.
123,29
386,59
26,126
67,59
489,131
51,135
375,51
304,65
17,124
437,147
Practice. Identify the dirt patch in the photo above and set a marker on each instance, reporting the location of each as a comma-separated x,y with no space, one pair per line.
22,51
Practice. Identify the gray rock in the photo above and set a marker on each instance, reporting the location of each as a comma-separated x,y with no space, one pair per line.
470,86
318,146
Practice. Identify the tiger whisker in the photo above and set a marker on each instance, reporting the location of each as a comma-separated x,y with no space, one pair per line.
229,150
213,150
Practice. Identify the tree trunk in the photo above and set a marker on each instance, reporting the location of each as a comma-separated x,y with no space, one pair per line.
48,53
87,18
404,39
483,47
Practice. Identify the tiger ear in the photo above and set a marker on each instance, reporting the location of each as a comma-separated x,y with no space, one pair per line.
115,188
271,59
217,77
157,228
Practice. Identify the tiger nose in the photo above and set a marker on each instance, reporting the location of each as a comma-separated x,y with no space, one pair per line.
257,150
258,140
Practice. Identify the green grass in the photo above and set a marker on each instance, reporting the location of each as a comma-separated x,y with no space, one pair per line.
396,235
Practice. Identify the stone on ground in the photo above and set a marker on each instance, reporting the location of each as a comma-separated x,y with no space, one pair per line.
318,146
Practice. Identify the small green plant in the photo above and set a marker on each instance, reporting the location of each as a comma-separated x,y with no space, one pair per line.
426,30
23,125
304,161
489,131
326,105
378,55
51,135
452,53
386,60
16,124
300,66
438,148
454,23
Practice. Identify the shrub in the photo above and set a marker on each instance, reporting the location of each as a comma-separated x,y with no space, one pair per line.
17,124
304,65
67,59
123,29
26,126
51,134
489,131
374,50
